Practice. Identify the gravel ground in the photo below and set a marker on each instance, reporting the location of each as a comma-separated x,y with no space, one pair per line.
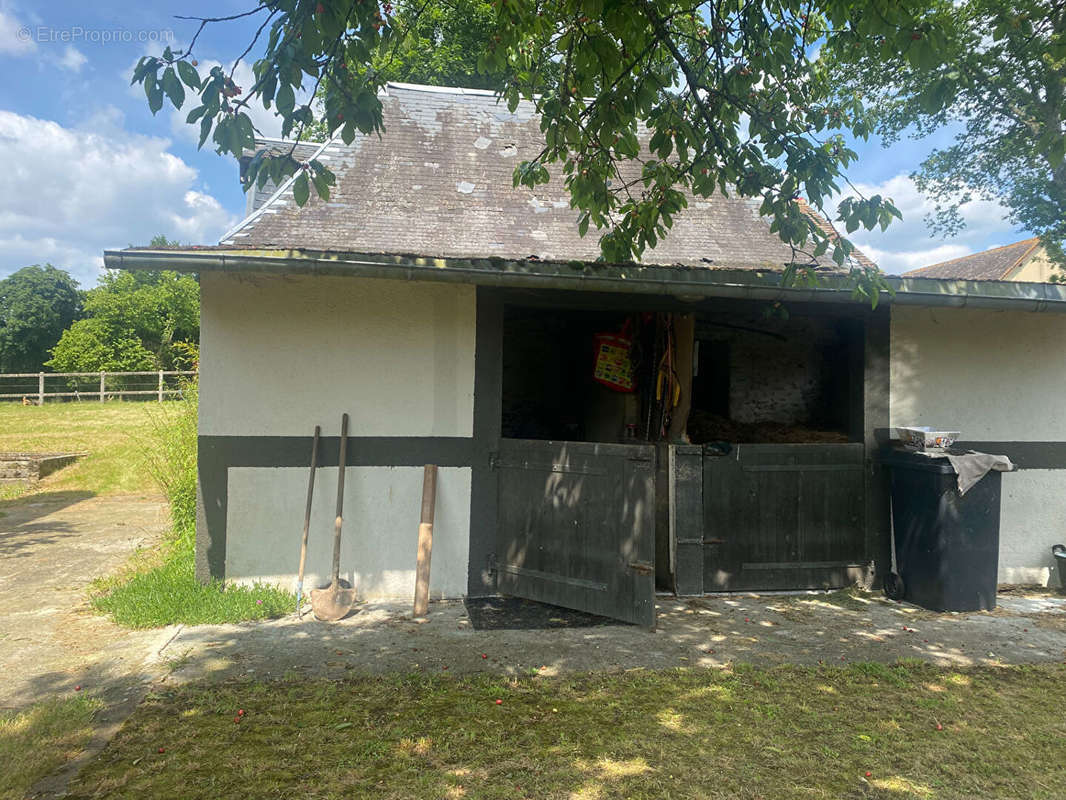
52,545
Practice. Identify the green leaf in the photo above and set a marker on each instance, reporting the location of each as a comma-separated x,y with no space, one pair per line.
285,99
321,185
300,189
172,86
189,74
154,93
205,129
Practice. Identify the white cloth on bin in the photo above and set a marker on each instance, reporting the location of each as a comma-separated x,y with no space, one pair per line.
973,466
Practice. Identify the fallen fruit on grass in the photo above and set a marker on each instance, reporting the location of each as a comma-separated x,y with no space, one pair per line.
499,702
77,688
236,719
868,773
240,712
162,750
484,655
939,727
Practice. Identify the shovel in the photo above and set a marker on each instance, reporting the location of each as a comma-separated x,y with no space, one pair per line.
334,602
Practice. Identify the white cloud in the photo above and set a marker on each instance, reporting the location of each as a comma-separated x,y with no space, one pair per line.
16,38
70,193
72,59
907,244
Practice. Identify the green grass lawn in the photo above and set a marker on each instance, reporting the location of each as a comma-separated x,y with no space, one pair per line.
864,731
39,740
114,434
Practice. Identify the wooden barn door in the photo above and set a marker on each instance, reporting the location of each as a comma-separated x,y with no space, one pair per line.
784,516
576,526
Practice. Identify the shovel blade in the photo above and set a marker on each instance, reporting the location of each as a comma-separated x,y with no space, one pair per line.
332,604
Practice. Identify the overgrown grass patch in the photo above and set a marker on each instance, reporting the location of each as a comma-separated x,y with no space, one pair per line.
113,435
751,733
160,588
36,742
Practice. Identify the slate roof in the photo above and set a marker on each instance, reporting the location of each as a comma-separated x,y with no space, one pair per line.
438,183
988,265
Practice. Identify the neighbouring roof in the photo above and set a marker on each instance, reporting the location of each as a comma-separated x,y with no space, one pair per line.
988,265
438,183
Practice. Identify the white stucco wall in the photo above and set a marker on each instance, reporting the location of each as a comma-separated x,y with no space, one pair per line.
281,354
994,376
379,540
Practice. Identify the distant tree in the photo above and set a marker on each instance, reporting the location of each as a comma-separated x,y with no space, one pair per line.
36,304
998,74
134,321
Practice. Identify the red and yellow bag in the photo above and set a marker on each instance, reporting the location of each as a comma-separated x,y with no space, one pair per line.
614,364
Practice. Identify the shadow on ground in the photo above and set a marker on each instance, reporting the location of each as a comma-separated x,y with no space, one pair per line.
706,632
23,526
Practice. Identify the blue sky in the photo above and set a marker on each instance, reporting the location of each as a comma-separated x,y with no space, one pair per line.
88,167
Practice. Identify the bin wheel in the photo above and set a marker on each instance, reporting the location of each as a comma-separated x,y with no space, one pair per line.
893,587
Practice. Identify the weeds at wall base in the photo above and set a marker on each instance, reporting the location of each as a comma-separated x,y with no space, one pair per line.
160,588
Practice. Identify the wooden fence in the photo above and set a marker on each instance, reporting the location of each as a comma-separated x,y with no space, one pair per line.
34,386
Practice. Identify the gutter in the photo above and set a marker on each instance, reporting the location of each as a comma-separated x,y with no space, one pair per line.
694,282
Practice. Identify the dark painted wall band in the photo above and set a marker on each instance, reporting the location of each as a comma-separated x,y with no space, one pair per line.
363,451
1025,455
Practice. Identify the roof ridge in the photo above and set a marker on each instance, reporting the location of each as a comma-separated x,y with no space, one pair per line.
1034,243
425,87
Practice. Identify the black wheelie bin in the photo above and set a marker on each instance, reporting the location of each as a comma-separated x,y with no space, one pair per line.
946,544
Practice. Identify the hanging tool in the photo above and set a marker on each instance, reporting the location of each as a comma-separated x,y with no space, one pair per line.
307,520
335,602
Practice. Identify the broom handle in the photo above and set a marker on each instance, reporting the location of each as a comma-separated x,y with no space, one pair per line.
340,503
307,517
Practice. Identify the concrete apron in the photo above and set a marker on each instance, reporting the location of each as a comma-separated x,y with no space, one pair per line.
703,632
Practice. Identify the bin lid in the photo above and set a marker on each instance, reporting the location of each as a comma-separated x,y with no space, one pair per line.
906,459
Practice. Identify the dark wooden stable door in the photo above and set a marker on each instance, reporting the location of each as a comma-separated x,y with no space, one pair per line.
576,526
787,516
